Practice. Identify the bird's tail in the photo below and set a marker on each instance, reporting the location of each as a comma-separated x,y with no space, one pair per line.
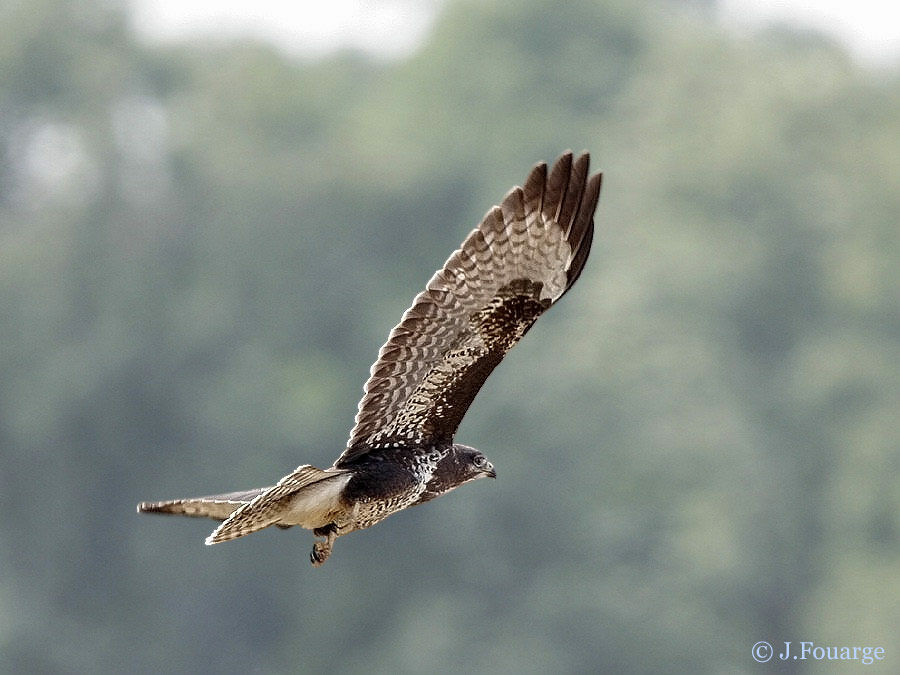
217,507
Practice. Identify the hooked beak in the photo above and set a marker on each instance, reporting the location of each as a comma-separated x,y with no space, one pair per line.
490,473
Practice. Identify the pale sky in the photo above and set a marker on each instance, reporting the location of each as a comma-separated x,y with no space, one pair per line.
870,28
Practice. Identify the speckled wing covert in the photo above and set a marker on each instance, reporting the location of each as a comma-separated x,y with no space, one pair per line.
521,259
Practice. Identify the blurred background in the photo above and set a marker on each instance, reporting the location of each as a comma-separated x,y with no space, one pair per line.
206,235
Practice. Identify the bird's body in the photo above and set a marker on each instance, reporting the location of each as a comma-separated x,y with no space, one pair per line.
390,481
521,259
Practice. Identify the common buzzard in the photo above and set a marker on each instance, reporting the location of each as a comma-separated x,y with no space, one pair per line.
521,259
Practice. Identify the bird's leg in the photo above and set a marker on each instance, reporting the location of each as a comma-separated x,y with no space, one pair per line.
322,549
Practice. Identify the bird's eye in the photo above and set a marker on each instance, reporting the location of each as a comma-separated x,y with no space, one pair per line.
480,462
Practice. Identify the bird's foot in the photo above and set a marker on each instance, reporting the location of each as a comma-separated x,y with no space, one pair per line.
320,552
322,549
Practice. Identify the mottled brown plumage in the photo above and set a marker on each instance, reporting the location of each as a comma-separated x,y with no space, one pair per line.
521,259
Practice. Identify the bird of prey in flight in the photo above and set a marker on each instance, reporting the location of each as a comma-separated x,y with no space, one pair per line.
521,259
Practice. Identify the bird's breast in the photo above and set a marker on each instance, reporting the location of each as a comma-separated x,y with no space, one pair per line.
385,485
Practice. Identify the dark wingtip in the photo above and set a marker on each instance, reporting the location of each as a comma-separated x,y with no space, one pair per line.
573,197
581,234
533,191
557,184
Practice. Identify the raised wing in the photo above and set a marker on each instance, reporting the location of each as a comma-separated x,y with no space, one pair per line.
521,259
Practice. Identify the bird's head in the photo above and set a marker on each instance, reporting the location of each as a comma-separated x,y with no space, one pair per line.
473,462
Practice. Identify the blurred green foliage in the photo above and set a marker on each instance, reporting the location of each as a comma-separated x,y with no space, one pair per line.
202,247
